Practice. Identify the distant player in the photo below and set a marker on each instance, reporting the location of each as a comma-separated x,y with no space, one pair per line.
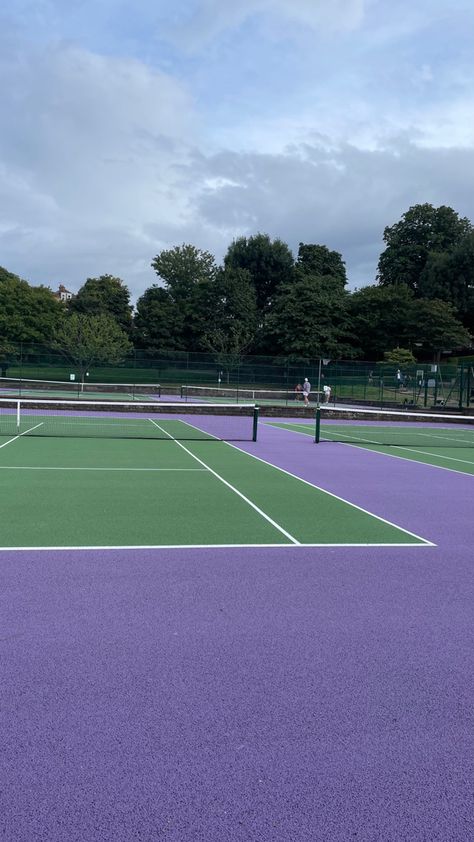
327,393
306,390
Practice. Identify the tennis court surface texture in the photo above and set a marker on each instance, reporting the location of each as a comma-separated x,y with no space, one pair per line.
233,639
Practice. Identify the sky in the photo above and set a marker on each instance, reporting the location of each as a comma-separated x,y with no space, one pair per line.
133,126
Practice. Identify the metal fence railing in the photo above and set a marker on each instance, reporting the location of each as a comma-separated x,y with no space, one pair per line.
369,383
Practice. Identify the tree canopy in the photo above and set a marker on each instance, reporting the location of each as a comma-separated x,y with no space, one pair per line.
186,272
106,295
310,318
388,317
263,301
232,316
159,321
422,230
269,263
320,261
27,313
91,340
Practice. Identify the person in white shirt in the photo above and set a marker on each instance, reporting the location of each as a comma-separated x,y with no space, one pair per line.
306,390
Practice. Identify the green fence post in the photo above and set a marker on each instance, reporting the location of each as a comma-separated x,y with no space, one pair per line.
255,423
317,436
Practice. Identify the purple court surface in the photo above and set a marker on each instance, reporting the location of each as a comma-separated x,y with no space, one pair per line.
249,695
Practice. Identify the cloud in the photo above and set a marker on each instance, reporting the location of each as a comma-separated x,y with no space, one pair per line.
211,18
106,159
337,195
91,150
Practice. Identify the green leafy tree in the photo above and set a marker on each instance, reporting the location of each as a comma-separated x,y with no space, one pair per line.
232,317
310,319
378,317
392,316
269,263
88,340
186,272
320,261
450,277
8,356
183,268
422,230
106,295
399,356
434,324
159,321
27,313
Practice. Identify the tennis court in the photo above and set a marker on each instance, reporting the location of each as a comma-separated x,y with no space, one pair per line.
75,390
98,476
446,441
207,636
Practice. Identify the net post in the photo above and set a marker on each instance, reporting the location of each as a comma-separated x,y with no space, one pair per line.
317,435
18,418
255,423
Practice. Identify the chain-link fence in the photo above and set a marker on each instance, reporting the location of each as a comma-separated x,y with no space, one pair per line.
354,382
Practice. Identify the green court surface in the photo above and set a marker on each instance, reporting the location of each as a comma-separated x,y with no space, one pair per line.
74,394
75,492
452,449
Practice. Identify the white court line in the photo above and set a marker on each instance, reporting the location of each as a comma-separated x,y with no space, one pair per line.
228,484
330,493
400,447
203,547
21,434
61,468
395,455
447,438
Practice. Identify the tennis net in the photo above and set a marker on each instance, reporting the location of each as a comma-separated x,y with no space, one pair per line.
274,397
394,428
19,386
126,420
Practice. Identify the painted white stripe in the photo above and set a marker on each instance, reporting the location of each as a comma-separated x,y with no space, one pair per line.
229,485
20,435
208,546
324,490
336,496
50,468
434,455
407,459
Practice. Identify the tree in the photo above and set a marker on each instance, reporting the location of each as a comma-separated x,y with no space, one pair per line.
91,340
310,319
378,316
269,263
435,326
186,271
183,268
422,230
399,356
233,318
320,261
391,317
8,355
450,277
159,321
27,313
104,295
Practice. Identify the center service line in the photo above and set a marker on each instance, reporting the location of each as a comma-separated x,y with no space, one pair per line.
232,487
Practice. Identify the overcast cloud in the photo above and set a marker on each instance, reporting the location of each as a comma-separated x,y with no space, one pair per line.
128,128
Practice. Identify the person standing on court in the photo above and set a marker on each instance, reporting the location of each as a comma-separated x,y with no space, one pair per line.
306,390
